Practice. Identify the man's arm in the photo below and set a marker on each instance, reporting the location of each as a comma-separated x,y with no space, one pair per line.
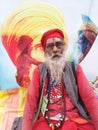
31,101
87,95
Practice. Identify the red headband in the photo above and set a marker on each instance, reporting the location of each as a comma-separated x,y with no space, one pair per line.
51,34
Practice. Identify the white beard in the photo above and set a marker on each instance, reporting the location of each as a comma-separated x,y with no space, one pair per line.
56,66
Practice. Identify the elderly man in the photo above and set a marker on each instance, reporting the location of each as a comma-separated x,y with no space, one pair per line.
64,101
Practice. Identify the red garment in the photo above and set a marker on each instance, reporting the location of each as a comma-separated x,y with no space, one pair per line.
86,93
68,125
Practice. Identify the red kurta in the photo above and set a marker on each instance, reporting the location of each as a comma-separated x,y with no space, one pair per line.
86,93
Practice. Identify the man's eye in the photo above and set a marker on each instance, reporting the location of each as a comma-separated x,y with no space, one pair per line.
50,45
58,44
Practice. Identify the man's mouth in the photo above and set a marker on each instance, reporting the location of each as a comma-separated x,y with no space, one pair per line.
55,56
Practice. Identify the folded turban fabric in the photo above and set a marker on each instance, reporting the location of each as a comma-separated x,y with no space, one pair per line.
51,34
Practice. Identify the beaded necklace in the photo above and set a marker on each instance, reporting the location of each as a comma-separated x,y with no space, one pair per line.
56,96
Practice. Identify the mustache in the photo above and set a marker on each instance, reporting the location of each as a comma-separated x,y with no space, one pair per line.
55,55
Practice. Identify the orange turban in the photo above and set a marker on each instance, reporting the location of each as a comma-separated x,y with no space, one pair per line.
51,34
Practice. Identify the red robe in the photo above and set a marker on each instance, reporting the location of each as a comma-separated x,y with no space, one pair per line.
87,94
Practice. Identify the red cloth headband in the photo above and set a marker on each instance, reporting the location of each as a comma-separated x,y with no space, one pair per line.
51,34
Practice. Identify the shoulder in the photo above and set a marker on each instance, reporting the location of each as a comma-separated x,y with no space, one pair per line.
75,65
36,71
71,65
79,68
42,65
39,68
76,68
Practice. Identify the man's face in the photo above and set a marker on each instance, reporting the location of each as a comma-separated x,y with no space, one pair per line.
54,47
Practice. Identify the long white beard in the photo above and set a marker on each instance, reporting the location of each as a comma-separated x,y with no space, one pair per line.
56,67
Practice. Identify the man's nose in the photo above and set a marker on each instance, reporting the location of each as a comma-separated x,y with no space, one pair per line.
55,48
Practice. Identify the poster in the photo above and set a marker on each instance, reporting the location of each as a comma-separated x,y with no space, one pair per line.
11,15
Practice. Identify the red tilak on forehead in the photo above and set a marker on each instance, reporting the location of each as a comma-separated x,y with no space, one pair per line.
54,40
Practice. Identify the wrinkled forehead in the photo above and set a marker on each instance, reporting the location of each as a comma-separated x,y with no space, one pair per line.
53,40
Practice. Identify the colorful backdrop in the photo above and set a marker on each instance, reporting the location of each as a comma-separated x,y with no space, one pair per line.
31,18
